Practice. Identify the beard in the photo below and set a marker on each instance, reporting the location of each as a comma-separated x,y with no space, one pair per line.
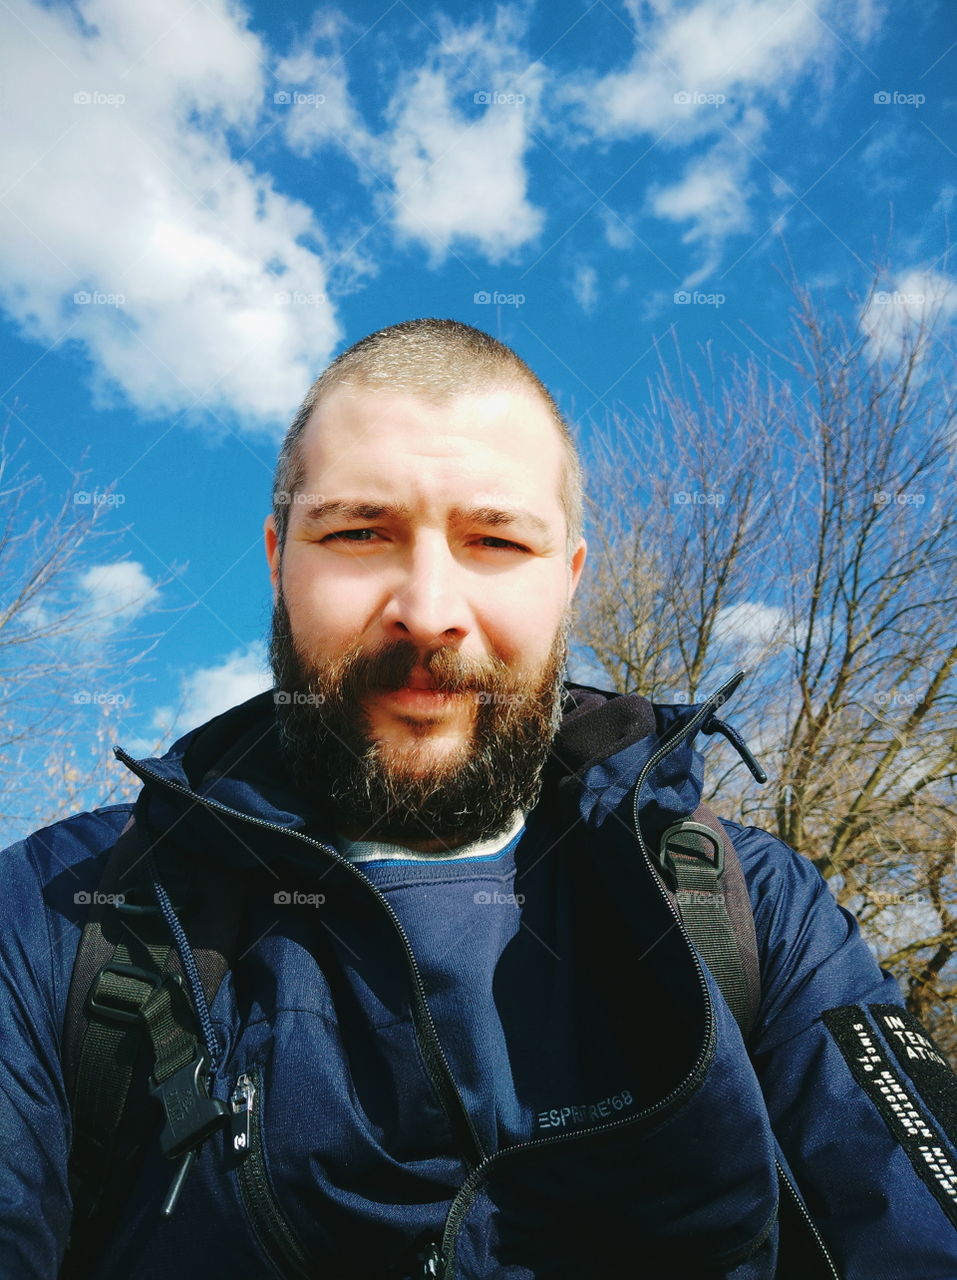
404,795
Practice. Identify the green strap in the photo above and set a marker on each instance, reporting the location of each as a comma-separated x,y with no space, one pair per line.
695,855
130,1030
131,995
111,1046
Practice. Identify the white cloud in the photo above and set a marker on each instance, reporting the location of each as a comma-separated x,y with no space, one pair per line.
898,314
208,691
129,195
112,594
618,233
455,151
688,57
749,627
711,196
447,170
585,288
700,72
313,94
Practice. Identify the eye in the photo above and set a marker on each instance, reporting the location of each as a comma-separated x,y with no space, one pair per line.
502,544
349,535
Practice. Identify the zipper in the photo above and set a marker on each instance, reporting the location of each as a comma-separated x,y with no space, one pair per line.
465,1193
242,1102
268,1222
693,725
832,1271
440,1259
433,1055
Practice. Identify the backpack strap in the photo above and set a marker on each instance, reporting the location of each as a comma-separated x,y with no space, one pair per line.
712,898
130,1027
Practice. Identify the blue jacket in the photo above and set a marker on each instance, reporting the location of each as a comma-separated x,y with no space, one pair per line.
644,1139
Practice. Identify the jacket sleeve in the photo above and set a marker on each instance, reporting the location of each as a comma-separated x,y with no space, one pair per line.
46,881
863,1103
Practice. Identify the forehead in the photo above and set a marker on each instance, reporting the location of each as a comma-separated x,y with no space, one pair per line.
503,438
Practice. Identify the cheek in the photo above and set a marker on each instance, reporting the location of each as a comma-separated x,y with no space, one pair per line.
522,631
323,612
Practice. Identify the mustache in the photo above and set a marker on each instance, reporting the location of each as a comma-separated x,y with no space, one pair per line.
390,666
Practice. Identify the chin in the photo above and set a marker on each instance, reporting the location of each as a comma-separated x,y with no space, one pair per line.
424,748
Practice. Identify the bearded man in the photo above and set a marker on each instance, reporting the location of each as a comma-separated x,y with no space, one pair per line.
399,947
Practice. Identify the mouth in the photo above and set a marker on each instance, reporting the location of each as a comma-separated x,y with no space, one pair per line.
421,680
421,695
427,698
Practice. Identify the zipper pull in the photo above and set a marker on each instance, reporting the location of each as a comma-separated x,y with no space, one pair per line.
433,1263
241,1104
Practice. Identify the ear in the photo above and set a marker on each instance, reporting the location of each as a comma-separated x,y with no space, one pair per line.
273,555
575,567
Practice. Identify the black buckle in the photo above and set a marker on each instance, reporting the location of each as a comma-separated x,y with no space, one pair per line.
95,1004
191,1114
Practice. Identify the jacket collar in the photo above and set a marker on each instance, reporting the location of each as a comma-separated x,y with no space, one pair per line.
604,742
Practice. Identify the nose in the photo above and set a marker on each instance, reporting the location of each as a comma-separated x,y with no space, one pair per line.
427,602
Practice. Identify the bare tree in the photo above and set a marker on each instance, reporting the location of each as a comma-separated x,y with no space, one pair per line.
61,660
801,523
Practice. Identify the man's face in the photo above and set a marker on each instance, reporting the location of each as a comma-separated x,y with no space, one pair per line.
426,547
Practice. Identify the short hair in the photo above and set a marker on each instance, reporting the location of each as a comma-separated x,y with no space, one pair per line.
437,359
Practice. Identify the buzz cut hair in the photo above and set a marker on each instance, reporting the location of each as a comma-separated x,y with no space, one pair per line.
435,359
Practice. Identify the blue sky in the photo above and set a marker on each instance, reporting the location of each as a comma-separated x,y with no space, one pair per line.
203,202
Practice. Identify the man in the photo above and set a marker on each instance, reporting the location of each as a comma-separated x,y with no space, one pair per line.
458,1029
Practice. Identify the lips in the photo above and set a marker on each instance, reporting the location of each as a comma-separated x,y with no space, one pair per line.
420,680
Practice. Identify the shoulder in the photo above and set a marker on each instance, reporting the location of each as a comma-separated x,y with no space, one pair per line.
48,880
781,882
60,863
811,950
775,873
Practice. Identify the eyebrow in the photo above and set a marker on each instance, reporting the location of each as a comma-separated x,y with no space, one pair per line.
493,517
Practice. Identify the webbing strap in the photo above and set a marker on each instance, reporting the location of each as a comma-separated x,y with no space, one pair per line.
132,1003
126,1004
126,981
110,1048
695,855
